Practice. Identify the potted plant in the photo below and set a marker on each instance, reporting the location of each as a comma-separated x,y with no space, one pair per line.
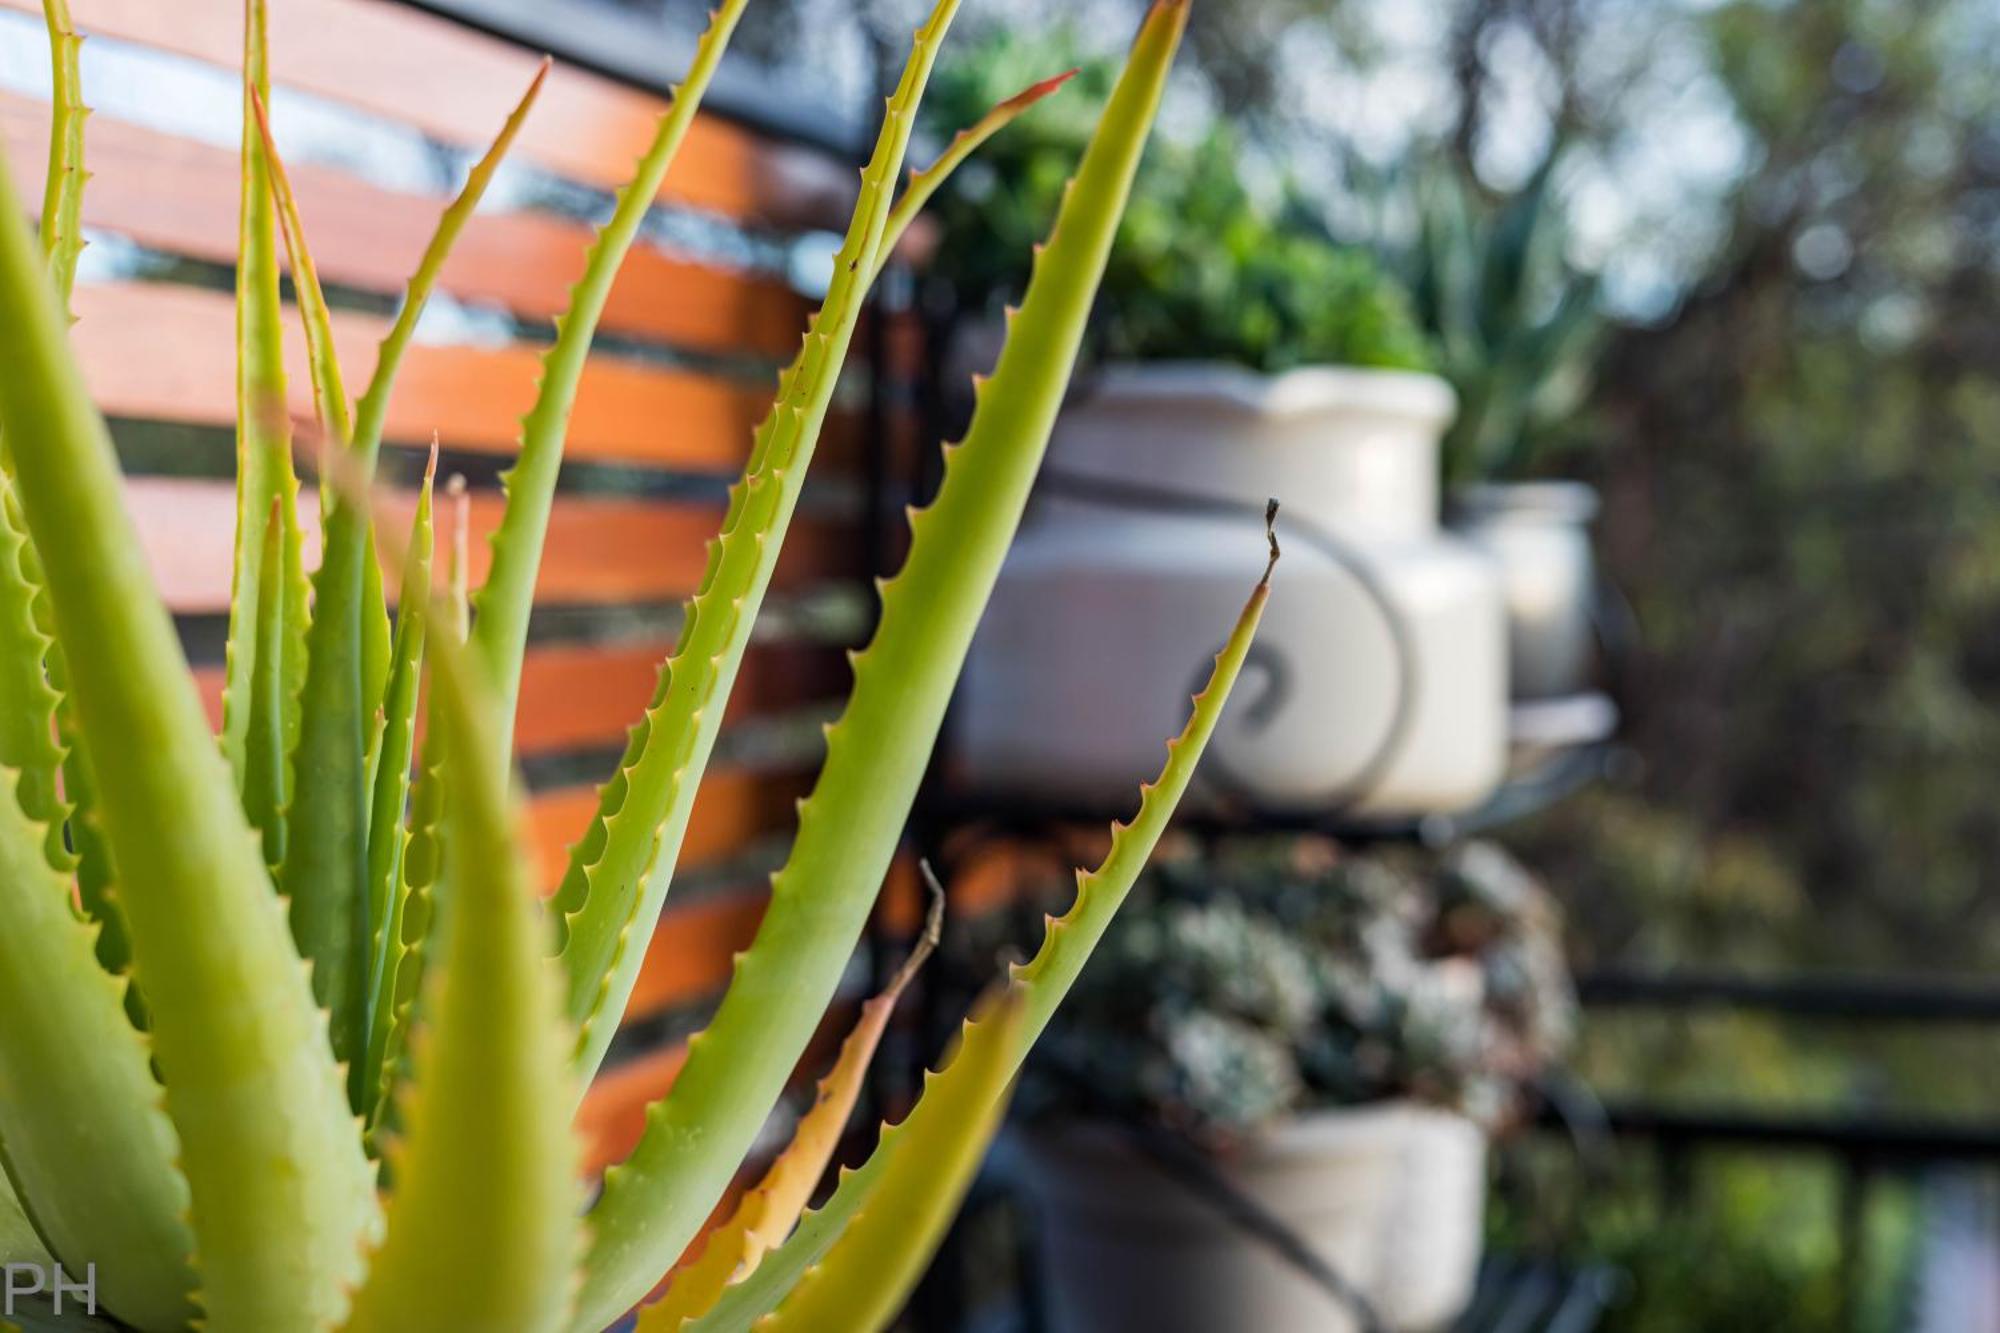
1335,1035
1241,352
1515,327
347,1098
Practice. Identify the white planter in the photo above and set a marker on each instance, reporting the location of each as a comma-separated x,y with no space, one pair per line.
1379,678
1390,1196
1539,534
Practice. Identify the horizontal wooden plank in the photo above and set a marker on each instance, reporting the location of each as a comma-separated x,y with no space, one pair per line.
995,875
586,696
160,352
613,1114
689,960
599,549
179,196
734,807
694,950
579,695
457,86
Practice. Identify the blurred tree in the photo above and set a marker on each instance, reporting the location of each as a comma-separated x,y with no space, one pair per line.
1800,469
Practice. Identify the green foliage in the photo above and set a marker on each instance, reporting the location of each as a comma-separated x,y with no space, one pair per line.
1205,267
1515,327
1262,978
219,1167
1797,463
1747,1245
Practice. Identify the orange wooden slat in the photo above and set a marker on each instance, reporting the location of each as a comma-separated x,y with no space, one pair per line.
179,196
733,807
694,950
581,696
575,695
613,1114
458,85
159,352
599,549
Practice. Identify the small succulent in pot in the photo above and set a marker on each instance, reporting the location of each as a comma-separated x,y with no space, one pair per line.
1268,977
1515,324
1208,266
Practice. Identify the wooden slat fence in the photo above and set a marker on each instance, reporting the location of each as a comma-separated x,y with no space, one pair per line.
380,108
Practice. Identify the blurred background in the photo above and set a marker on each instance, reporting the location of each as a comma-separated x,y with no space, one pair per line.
1733,265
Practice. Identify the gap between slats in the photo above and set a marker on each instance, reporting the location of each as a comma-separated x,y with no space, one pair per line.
178,196
599,549
161,352
457,86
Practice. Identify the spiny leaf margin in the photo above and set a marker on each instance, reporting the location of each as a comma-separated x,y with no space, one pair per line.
877,752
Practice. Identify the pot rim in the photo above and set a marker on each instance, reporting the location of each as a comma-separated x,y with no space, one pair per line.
1364,1127
1559,500
1236,390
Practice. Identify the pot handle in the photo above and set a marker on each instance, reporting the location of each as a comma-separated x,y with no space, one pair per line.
1265,708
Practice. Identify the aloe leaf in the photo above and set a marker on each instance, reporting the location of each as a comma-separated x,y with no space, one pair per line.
387,887
62,242
27,702
264,760
395,750
483,1226
375,645
324,873
407,932
748,1301
89,1147
1043,981
282,1195
500,631
925,183
878,750
19,1241
867,1275
36,1314
252,720
766,1213
371,411
1072,936
620,870
619,873
62,198
458,566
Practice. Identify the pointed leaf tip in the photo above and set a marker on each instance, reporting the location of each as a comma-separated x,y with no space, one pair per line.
1271,536
1035,92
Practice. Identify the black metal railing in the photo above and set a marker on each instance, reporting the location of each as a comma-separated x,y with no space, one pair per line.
1865,1146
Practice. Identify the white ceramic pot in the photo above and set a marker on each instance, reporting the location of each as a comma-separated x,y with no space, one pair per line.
1390,1196
1379,677
1539,534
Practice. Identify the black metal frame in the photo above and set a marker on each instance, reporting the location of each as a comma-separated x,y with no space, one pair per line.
1865,1147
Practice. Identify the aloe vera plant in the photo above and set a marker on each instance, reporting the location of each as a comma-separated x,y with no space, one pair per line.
291,1043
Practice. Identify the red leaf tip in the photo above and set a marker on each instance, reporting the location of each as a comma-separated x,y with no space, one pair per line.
1035,92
